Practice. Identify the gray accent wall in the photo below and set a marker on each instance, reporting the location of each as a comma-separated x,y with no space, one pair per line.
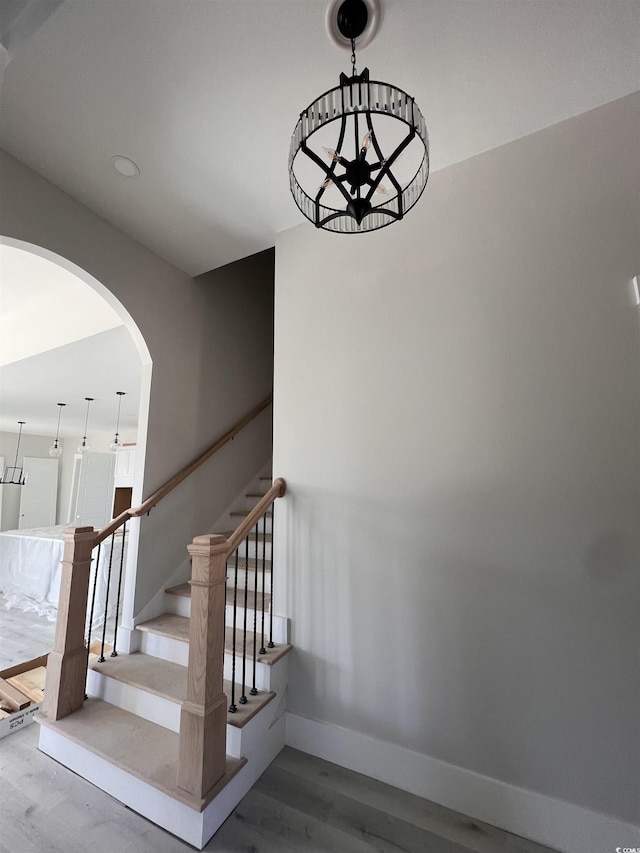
457,415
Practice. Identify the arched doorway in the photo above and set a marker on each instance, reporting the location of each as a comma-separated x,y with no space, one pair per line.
66,337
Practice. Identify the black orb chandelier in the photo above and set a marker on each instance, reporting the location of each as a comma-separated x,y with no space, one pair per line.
359,156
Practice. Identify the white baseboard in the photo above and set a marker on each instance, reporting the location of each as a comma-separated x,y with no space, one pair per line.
563,826
128,640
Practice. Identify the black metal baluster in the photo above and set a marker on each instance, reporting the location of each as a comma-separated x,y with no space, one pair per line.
254,689
106,603
263,651
271,644
243,698
233,708
114,653
93,601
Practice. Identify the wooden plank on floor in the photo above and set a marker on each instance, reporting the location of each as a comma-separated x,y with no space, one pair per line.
24,667
31,683
16,700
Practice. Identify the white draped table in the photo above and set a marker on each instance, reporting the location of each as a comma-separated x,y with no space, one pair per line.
30,568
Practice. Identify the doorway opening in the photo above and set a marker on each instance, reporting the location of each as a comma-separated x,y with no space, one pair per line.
64,337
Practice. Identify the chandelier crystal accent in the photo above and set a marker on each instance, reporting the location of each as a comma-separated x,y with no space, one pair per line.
359,155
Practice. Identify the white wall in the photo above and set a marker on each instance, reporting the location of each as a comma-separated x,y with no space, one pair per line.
210,341
457,416
97,441
30,445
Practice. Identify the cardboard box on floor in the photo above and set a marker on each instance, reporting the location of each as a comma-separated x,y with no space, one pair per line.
28,680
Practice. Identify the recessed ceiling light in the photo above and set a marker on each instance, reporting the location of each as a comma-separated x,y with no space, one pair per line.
124,166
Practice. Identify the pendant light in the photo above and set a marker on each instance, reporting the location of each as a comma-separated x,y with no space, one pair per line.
359,155
84,447
55,450
14,476
116,444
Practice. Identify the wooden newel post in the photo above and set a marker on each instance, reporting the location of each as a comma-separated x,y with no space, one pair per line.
67,663
203,719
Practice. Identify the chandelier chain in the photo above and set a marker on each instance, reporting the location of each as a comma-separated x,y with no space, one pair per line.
353,56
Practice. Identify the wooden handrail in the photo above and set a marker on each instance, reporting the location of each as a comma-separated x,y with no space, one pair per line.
276,491
170,485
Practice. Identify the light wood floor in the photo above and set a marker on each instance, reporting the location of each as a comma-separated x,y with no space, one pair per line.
300,805
23,636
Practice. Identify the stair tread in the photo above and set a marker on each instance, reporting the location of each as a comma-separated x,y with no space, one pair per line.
243,513
252,564
251,599
184,590
177,627
269,657
144,749
180,589
168,625
161,677
169,680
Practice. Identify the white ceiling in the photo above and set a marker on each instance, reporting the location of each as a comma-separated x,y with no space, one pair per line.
59,343
204,95
96,367
43,306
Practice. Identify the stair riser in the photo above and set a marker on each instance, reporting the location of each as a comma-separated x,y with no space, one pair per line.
177,651
252,549
252,738
158,709
247,579
165,648
165,712
280,624
263,673
181,606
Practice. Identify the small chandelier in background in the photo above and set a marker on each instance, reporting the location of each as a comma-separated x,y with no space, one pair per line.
116,444
84,447
13,475
365,145
55,450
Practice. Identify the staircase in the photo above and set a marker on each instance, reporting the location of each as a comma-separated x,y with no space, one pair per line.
125,737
